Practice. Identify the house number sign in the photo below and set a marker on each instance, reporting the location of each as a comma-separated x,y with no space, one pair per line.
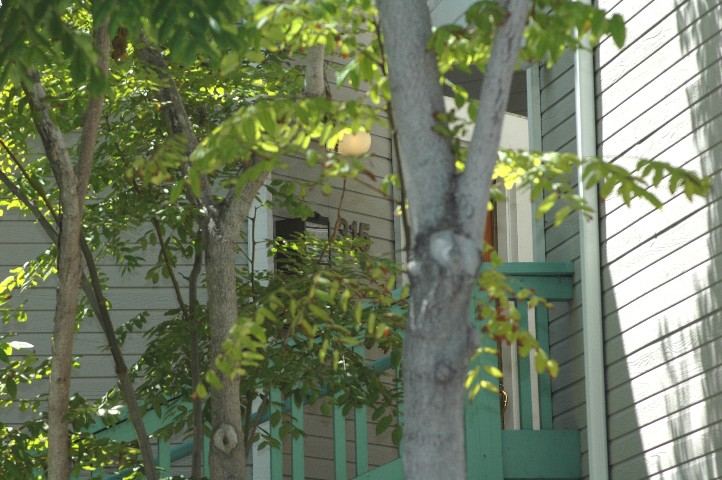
354,229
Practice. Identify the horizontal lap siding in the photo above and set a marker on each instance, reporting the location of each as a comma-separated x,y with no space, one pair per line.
129,295
660,98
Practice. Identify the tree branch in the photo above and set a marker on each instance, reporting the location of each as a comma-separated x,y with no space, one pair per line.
173,107
426,157
91,120
34,184
315,81
472,193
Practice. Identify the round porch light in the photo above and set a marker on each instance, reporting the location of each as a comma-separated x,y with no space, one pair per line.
354,144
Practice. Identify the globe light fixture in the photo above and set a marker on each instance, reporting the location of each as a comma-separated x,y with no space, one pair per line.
354,144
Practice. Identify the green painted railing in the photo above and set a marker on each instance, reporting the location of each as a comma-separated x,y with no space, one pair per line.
492,452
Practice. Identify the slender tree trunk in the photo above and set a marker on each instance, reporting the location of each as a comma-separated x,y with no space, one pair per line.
72,187
69,274
446,220
228,452
221,232
95,296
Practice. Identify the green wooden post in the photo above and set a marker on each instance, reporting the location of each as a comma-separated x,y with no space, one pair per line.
545,383
207,456
525,401
297,452
339,444
483,425
276,451
361,431
362,441
164,456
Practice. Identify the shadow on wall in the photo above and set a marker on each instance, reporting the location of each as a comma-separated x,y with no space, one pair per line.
698,428
665,419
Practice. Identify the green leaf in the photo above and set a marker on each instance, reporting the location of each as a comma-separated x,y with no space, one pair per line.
493,371
11,388
383,424
546,204
320,313
397,434
201,391
552,368
561,214
212,379
540,360
268,120
617,30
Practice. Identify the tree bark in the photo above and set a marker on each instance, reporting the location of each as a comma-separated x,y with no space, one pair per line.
315,81
228,452
446,220
69,275
70,266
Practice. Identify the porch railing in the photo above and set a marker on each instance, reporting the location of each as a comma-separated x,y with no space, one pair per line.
492,452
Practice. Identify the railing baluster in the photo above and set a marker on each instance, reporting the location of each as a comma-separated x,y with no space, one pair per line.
206,456
525,401
297,451
164,456
276,451
361,430
339,444
483,422
545,384
362,441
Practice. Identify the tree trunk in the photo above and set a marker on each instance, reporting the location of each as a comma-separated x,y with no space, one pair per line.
446,216
228,452
70,267
437,346
221,236
69,275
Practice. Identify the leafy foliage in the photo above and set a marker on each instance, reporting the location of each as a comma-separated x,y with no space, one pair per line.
299,331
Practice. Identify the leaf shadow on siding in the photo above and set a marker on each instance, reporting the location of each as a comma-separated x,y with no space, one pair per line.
694,405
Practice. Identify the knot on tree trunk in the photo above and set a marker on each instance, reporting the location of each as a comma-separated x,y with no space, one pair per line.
225,438
444,372
455,252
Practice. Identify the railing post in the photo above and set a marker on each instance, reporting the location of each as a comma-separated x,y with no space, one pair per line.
276,451
297,452
525,373
164,456
545,383
339,443
361,431
206,456
482,422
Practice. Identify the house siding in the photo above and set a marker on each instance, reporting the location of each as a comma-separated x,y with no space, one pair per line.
659,97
